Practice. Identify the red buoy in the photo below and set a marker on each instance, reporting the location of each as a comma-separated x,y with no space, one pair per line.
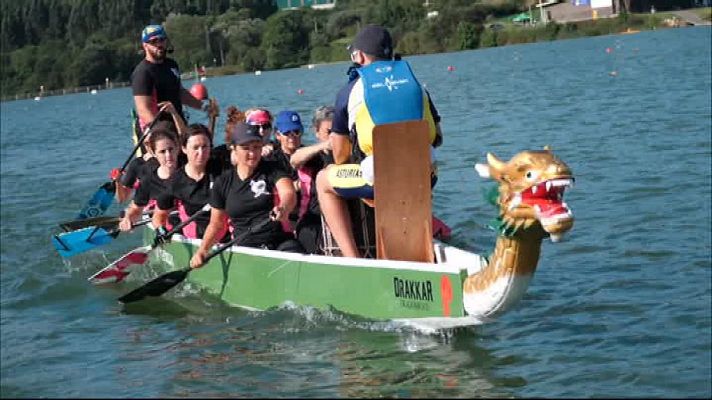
199,91
300,91
450,68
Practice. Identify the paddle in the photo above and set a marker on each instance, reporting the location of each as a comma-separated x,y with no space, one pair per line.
214,112
69,244
118,270
103,221
104,196
165,282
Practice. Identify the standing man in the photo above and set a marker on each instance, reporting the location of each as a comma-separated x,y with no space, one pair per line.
157,78
385,91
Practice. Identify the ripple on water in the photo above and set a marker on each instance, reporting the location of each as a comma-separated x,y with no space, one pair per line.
621,308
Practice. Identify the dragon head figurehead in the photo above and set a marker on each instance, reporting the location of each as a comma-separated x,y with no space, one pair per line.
531,190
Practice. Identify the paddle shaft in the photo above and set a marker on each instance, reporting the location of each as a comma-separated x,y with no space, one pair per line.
140,140
181,225
213,118
136,225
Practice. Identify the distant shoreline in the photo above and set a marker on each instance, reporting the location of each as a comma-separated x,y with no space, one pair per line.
497,33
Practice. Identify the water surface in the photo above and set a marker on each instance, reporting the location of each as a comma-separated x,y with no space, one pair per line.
621,308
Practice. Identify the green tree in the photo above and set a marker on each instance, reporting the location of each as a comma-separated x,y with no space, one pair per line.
467,35
189,36
286,40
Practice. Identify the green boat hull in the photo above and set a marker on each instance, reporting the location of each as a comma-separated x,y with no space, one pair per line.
429,295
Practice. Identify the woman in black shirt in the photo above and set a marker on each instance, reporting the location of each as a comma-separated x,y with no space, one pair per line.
189,187
154,180
246,195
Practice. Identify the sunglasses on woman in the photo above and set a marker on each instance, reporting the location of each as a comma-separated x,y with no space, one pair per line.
265,127
296,133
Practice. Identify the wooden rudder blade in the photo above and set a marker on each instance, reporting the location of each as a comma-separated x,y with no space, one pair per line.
402,192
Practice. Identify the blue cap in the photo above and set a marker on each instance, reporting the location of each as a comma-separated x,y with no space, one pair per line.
153,31
288,121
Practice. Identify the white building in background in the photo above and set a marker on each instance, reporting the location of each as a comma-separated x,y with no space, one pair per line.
601,3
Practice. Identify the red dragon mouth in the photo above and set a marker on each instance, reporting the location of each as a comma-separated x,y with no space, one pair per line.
547,200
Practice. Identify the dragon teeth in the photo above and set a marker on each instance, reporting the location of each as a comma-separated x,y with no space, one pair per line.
515,202
560,182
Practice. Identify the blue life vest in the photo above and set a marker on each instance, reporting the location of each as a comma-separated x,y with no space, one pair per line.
391,94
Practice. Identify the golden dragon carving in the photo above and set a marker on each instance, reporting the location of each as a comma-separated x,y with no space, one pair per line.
531,207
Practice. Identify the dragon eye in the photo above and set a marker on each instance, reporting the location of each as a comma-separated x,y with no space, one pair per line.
530,175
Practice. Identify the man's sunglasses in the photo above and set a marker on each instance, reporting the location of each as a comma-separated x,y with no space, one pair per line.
155,41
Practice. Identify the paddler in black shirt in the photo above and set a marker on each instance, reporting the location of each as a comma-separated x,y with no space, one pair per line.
157,79
245,195
189,187
164,145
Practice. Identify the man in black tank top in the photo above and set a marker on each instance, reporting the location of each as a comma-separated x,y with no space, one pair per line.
157,79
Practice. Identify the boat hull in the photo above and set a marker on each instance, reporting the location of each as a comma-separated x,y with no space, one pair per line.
260,279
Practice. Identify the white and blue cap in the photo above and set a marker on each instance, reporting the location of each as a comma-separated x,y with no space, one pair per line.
289,121
153,31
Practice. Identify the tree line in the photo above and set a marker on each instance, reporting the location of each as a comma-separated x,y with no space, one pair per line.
68,43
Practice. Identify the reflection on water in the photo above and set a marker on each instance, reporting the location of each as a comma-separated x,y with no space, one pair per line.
303,352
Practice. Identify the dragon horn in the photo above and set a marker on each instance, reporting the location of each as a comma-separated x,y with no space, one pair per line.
496,165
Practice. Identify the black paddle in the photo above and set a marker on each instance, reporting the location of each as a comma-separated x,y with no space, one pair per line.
102,221
102,198
165,282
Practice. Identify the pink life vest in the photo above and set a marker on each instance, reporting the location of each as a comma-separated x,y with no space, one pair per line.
440,229
305,185
151,207
191,230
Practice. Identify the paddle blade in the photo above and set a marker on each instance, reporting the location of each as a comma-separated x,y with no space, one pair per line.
106,222
157,286
69,244
100,201
120,269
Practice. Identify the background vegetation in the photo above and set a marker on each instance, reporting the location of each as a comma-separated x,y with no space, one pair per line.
70,43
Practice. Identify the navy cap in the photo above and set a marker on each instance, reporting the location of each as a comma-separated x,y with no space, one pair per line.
153,31
243,133
288,121
373,40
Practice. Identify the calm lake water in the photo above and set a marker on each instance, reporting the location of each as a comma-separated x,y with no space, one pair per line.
620,308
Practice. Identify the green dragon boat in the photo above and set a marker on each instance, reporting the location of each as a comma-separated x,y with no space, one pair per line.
459,288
